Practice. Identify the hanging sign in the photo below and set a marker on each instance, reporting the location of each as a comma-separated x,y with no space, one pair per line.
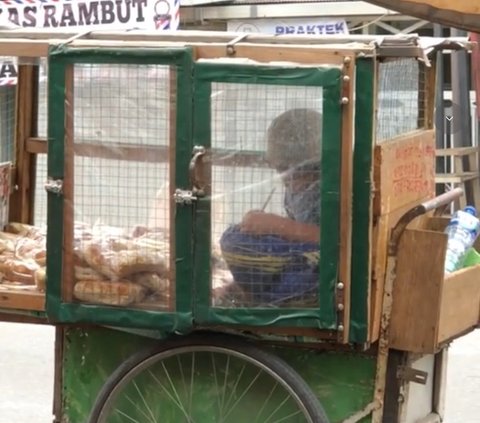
92,14
306,26
85,14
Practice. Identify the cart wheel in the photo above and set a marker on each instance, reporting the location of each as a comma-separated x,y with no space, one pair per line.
206,379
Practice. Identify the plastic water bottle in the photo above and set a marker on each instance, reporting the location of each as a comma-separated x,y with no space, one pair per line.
462,232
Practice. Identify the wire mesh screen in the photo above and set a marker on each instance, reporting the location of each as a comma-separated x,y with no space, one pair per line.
7,122
401,98
266,143
42,98
121,173
40,210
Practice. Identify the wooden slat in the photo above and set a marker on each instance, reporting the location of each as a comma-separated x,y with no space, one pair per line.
20,202
458,151
460,303
381,234
463,14
346,196
147,153
22,300
455,178
273,53
417,291
24,48
404,170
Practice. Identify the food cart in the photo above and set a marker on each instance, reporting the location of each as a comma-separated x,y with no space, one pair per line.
156,147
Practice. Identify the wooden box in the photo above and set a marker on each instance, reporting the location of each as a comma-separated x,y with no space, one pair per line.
431,309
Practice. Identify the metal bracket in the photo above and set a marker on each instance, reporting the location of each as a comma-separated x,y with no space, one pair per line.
410,374
182,196
231,45
54,186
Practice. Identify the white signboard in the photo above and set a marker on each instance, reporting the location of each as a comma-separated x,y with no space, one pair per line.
307,26
92,14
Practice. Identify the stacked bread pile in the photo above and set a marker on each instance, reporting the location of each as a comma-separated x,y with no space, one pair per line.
115,269
22,257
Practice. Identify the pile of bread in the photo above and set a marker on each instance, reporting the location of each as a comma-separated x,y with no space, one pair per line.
117,269
22,257
108,267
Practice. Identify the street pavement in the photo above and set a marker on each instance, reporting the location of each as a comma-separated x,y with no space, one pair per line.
26,376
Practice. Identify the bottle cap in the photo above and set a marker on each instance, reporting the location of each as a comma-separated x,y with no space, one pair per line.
470,209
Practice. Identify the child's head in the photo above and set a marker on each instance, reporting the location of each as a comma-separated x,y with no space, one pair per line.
294,139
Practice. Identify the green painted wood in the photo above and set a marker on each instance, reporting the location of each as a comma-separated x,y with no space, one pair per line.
343,382
362,199
330,79
181,318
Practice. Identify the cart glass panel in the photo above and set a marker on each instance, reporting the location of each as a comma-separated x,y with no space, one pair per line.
272,206
120,185
118,172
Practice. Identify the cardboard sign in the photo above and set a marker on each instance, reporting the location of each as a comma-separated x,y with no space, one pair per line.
307,26
405,171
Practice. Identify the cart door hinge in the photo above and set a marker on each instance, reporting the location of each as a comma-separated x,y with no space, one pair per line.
182,196
410,374
54,186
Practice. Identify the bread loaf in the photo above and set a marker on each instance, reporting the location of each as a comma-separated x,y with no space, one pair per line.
18,271
111,293
116,263
31,249
24,230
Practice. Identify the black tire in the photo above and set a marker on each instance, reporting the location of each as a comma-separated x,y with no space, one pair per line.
241,350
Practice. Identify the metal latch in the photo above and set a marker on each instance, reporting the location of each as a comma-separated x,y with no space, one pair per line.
182,196
410,374
55,186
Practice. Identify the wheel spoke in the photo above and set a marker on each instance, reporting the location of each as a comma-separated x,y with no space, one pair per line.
276,409
288,417
234,389
150,412
216,385
244,393
266,402
177,403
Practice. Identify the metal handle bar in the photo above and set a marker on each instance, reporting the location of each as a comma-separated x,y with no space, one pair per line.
433,204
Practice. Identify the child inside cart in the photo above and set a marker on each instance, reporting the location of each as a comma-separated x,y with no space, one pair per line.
273,258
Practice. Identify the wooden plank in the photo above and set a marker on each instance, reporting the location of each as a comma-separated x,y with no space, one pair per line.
404,170
273,53
20,202
346,197
380,236
22,300
463,14
417,291
24,48
455,178
146,153
68,277
36,145
460,303
457,151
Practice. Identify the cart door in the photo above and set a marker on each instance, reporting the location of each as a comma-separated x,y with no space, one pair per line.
119,144
242,163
